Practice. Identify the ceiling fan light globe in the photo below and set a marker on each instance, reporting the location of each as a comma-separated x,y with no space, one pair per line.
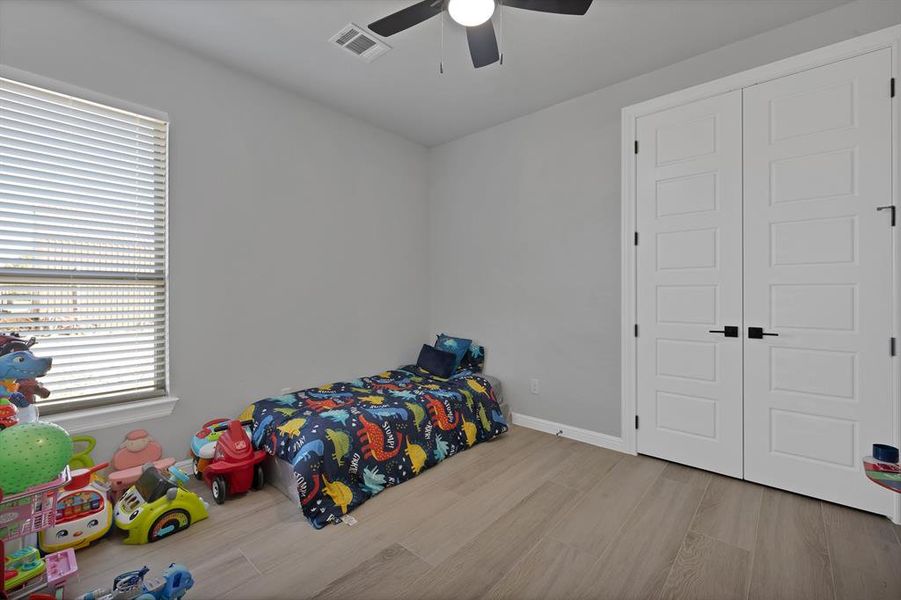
470,13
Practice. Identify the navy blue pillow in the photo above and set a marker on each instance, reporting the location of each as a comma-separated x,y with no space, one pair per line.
437,362
458,346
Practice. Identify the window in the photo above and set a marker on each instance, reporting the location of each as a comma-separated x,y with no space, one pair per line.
83,243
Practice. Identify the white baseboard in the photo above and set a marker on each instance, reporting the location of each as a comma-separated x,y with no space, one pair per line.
568,431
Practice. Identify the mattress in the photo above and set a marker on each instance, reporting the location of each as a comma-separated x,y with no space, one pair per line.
280,473
345,442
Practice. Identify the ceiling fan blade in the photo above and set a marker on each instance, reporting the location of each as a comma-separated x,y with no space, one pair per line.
408,17
561,7
482,44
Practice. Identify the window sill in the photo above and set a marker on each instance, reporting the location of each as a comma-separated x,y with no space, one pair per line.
92,419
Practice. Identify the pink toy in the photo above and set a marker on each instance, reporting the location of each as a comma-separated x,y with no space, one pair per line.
29,512
32,510
61,566
137,450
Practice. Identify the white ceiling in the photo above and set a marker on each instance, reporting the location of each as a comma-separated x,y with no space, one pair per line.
547,58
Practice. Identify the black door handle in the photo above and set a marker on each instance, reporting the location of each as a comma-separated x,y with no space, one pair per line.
727,331
757,333
890,208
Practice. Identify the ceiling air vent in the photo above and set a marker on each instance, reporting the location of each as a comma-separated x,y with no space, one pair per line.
361,44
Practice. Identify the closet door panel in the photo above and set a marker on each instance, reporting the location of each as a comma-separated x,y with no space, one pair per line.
689,282
818,272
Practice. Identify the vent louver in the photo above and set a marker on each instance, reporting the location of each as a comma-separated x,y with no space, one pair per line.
359,43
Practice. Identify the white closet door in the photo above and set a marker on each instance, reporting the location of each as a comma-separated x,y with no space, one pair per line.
689,282
818,272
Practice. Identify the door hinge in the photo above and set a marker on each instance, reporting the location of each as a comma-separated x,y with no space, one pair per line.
891,347
892,88
636,238
636,421
636,146
636,330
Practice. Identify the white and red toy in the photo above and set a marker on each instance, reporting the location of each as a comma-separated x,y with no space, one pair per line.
84,513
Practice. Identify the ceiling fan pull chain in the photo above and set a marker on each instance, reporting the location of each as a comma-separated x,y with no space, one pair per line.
441,62
500,9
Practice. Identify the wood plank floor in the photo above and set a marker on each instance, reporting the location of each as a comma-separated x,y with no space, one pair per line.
527,516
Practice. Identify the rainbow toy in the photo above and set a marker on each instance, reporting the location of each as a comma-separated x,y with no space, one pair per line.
883,468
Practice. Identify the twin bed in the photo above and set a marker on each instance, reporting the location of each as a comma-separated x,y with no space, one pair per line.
336,446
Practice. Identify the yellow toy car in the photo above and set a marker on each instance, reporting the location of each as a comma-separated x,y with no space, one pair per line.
156,506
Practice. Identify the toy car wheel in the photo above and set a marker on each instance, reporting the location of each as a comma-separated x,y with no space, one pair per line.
259,478
196,466
220,490
168,523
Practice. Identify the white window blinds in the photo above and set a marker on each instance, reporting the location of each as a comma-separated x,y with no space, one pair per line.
83,243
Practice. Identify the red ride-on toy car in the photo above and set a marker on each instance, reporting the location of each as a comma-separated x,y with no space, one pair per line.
236,466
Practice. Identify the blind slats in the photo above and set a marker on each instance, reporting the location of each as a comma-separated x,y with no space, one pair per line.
54,239
119,360
75,167
32,194
87,352
77,191
81,206
84,164
85,186
24,108
19,119
35,163
84,252
99,344
139,224
72,377
24,321
30,119
39,224
83,243
74,106
132,311
84,153
102,386
32,135
87,300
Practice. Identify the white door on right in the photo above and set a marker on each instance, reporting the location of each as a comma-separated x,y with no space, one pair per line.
818,279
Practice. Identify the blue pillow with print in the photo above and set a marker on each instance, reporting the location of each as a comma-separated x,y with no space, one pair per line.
456,346
474,359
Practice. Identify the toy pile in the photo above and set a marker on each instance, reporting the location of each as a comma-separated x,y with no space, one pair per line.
54,501
33,471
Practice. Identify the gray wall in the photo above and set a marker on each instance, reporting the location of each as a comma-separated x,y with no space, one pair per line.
297,233
307,233
525,227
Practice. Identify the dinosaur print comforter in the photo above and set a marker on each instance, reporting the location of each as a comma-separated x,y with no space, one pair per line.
348,441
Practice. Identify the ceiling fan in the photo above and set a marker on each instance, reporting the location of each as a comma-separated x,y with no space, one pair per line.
475,15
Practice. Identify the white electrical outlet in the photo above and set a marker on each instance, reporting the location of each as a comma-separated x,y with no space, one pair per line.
535,387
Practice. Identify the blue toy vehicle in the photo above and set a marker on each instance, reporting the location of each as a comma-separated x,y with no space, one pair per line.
172,584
